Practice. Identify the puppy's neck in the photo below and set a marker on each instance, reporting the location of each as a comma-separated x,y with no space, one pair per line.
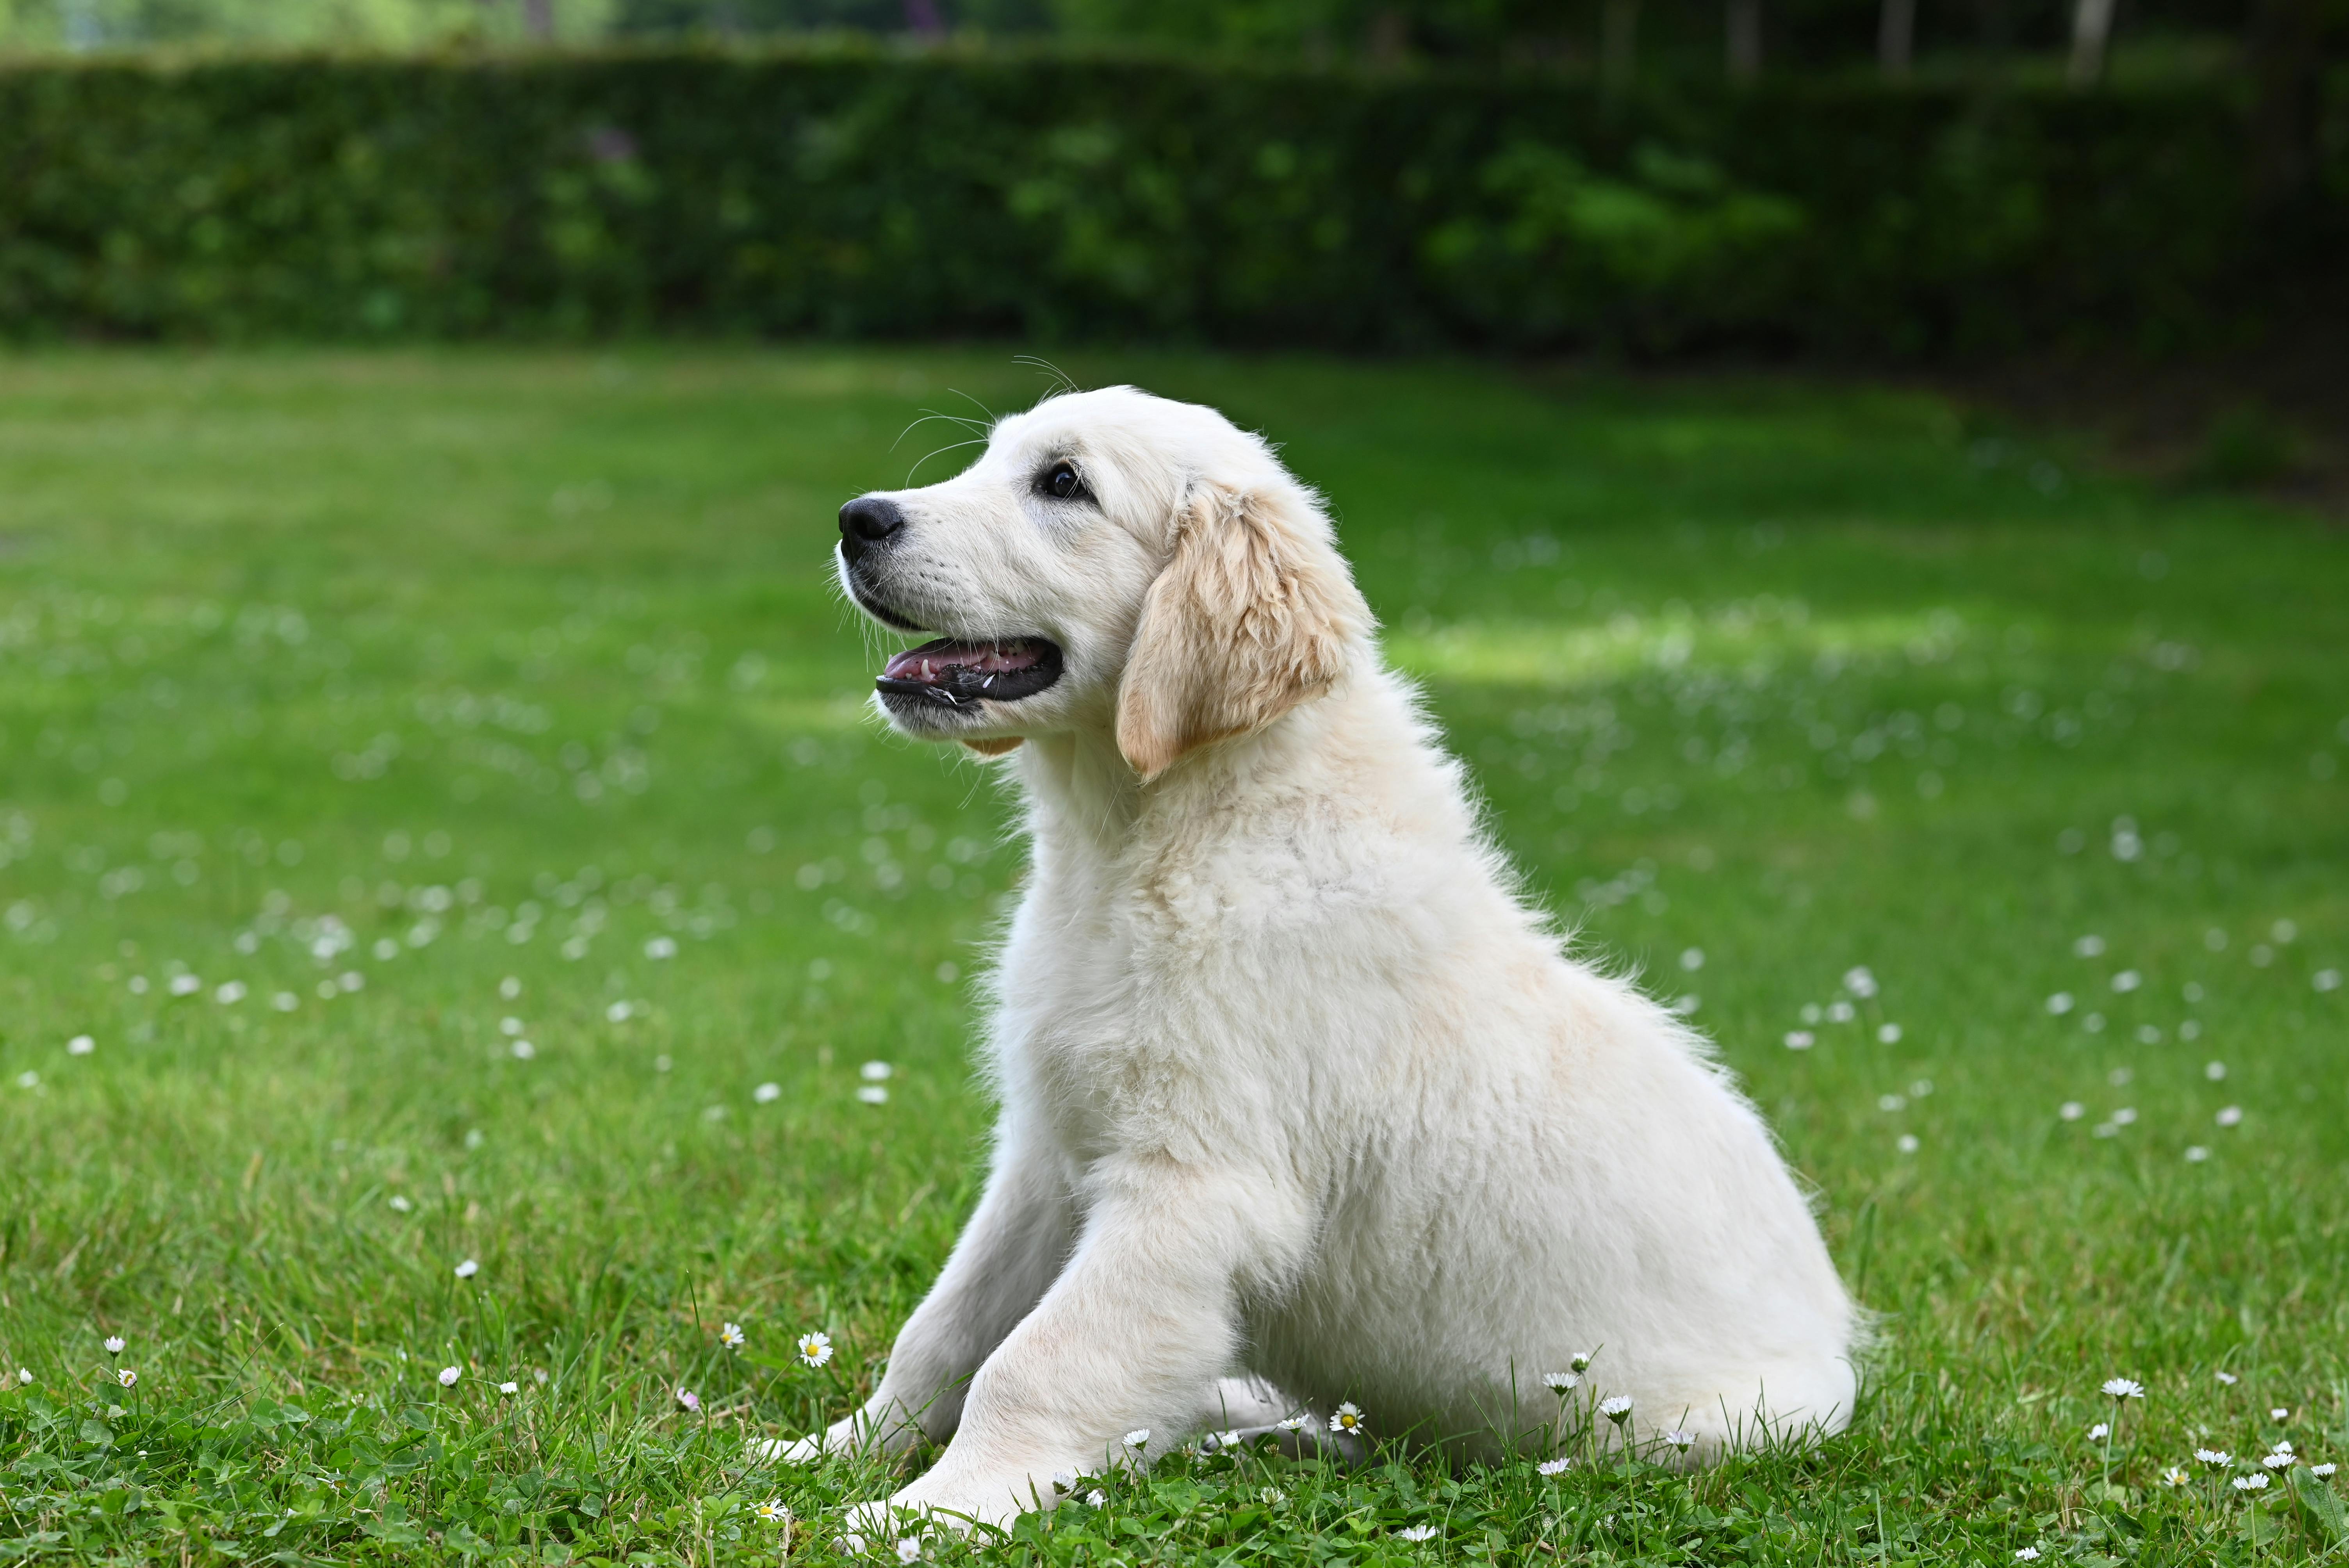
1084,799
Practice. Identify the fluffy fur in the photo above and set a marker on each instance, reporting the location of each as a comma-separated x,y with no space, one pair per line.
1297,1094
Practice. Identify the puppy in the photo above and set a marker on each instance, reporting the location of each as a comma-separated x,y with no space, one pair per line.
1300,1104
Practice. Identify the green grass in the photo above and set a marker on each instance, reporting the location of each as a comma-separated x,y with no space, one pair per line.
464,668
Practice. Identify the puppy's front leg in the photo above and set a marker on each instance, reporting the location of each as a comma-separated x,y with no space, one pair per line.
1000,1266
1132,1335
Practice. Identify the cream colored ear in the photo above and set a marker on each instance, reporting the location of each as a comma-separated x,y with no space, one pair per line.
1251,616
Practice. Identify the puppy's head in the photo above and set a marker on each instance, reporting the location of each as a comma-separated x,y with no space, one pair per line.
1114,561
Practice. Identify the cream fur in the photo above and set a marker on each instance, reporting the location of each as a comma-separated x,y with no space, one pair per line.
1293,1086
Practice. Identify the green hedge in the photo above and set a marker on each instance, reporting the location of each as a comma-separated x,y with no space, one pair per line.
1052,196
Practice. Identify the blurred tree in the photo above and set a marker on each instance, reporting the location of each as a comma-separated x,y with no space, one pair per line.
1896,37
1742,46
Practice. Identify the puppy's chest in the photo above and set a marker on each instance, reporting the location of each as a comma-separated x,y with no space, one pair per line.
1078,1030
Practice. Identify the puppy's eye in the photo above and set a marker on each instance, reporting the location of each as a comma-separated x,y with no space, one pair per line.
1061,483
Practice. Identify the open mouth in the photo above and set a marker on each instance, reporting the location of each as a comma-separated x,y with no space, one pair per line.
955,674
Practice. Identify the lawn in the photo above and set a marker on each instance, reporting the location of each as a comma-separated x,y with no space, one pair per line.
456,913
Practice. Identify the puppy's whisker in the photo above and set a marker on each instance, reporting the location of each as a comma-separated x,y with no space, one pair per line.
954,447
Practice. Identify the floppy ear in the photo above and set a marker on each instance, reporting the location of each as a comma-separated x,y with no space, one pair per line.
1252,617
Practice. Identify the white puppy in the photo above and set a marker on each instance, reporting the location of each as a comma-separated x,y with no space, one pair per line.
1294,1088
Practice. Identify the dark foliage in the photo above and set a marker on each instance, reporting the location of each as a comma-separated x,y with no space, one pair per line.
859,192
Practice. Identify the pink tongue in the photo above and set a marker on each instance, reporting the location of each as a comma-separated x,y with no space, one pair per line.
931,665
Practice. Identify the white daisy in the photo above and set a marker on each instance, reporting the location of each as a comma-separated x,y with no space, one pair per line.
872,1094
2251,1483
2070,1111
766,1093
2175,1476
1063,1481
2281,1460
1291,1423
2325,1469
468,1269
80,1046
2216,1459
1097,1498
2026,1554
1581,1363
1416,1533
114,1343
2124,1388
732,1336
1683,1441
1616,1408
2230,1116
448,1376
815,1347
1223,1439
2280,1414
773,1511
1562,1381
690,1399
2228,1379
1348,1418
1559,1465
1138,1438
909,1550
25,1375
1800,1039
2100,1430
127,1377
400,1204
509,1387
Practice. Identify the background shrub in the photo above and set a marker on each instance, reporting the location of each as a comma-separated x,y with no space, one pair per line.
850,191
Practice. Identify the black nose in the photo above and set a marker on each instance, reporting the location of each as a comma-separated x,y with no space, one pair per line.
865,522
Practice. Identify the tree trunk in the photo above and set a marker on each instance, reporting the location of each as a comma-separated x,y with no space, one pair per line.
2287,76
538,19
1896,38
1744,40
2092,29
1618,44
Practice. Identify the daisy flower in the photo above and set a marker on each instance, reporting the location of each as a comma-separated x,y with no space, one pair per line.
1617,1409
509,1387
2097,1432
690,1399
127,1377
2282,1458
773,1511
25,1375
1225,1439
2026,1554
2228,1379
1581,1363
468,1269
1561,1381
1559,1465
2175,1476
815,1347
731,1336
114,1343
2251,1483
2320,1472
1683,1441
1291,1423
1348,1418
2215,1457
1097,1498
1138,1438
2124,1388
1416,1533
2280,1414
1063,1481
448,1376
909,1550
